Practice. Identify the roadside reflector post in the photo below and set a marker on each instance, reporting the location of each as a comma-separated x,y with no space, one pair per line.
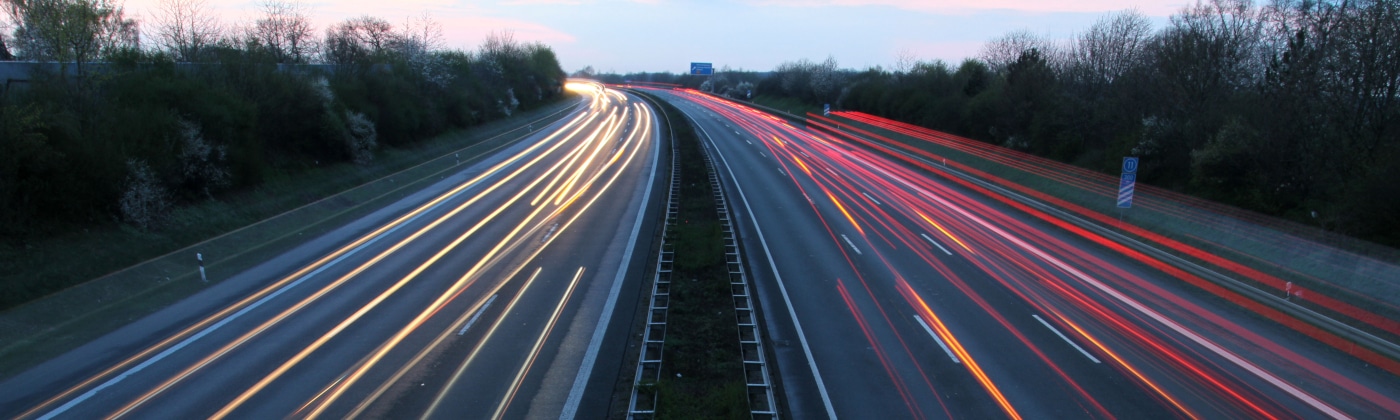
200,257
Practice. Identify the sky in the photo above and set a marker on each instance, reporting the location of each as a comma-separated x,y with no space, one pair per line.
666,35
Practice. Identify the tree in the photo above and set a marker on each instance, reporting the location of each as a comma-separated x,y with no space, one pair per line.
77,31
356,40
999,53
285,31
5,54
186,27
1110,47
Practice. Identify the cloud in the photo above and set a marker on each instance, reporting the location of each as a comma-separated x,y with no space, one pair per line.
464,25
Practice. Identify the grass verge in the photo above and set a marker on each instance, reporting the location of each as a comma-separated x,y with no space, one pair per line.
789,105
233,233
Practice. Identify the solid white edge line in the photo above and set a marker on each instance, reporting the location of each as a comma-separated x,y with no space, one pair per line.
478,314
1067,340
594,344
852,244
935,243
782,289
936,339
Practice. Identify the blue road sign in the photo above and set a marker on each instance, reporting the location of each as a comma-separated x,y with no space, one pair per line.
702,69
1130,165
1126,185
826,110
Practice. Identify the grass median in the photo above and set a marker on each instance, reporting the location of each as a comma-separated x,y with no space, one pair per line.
137,273
702,373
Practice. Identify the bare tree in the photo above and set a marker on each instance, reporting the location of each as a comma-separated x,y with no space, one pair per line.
425,31
1001,52
354,40
1110,47
826,79
904,61
186,27
285,30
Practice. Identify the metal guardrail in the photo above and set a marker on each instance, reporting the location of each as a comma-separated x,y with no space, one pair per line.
642,404
756,376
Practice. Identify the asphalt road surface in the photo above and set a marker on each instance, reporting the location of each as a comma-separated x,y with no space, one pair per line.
487,295
890,292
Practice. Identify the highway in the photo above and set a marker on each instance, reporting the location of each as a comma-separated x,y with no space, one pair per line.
490,294
890,292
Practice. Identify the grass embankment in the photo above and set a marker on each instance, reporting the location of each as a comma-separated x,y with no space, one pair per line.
234,233
789,105
702,370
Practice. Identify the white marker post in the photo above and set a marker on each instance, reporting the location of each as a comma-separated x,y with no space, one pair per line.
200,257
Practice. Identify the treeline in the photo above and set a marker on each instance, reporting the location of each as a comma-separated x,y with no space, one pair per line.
1290,108
204,109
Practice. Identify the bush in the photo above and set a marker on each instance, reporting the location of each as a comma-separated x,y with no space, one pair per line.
145,203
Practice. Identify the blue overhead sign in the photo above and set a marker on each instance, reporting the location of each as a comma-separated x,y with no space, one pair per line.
702,69
1128,182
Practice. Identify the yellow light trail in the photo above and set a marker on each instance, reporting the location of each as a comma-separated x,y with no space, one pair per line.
1125,365
569,160
535,350
340,281
957,348
277,373
579,171
843,211
308,269
945,231
608,185
388,345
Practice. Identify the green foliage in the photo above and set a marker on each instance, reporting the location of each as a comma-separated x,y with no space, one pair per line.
234,124
1290,109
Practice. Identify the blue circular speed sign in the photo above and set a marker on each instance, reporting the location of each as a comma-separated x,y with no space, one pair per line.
1130,164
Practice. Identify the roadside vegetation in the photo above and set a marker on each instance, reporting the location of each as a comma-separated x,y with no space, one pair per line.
1289,108
157,145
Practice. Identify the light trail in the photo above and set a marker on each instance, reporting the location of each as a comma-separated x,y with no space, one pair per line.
1158,350
221,317
339,282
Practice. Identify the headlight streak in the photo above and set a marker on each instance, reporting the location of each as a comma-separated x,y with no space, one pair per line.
535,350
443,336
606,186
441,301
266,291
345,278
456,289
286,282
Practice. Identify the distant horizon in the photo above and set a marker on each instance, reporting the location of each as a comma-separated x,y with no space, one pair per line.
632,36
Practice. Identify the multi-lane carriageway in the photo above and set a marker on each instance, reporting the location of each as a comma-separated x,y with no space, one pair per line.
506,290
488,294
890,292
